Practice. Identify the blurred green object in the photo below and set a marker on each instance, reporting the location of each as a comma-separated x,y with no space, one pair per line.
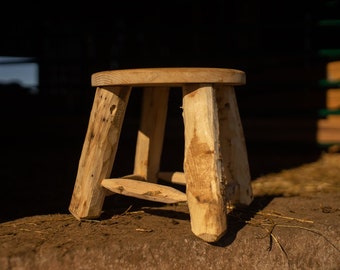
326,112
329,23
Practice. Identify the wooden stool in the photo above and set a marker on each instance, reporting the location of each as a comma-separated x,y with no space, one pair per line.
216,170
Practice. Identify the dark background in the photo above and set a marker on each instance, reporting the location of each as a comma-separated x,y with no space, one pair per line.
276,43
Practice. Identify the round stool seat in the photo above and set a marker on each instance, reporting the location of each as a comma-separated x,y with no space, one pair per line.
168,76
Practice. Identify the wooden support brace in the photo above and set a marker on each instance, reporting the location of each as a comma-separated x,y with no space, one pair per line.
144,190
173,177
99,150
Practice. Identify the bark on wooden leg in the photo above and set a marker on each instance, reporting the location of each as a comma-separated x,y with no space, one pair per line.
151,133
233,148
99,150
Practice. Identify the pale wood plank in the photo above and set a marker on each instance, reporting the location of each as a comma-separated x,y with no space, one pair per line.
203,164
171,76
99,150
144,190
151,132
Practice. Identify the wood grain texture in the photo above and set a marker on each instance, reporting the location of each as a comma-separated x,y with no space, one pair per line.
144,190
233,148
168,76
99,150
202,163
151,132
216,170
173,177
216,163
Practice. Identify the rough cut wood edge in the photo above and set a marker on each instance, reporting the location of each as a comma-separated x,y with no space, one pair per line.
99,150
151,132
144,190
168,76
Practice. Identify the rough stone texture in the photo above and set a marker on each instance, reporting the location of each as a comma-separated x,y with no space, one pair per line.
305,234
293,223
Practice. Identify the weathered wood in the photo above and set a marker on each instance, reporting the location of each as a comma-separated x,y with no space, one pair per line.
173,177
168,76
151,132
202,163
134,177
144,190
234,156
216,163
99,150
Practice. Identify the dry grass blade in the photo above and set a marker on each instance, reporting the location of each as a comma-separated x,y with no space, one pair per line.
284,217
89,220
144,230
310,230
262,224
271,237
268,224
127,210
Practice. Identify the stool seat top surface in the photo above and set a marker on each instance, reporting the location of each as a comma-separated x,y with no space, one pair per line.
168,76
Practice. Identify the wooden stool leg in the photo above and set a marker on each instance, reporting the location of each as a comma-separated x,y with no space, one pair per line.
216,163
151,133
233,148
99,150
203,163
